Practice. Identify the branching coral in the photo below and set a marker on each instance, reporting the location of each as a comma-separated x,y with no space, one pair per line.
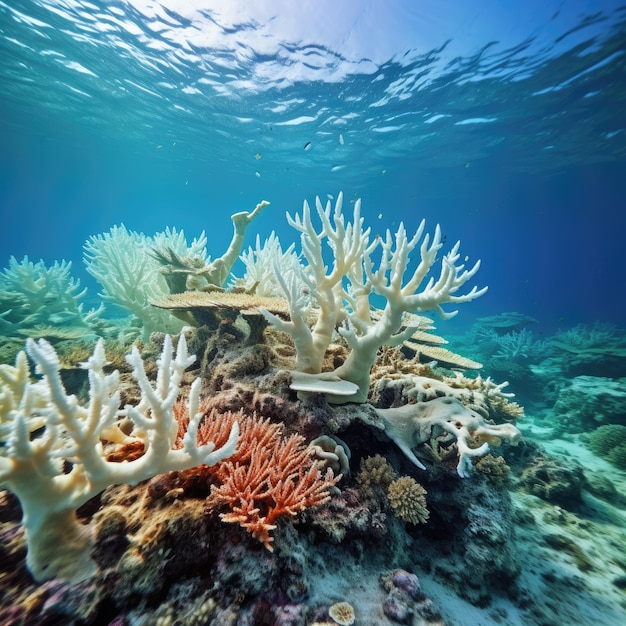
408,500
259,262
519,345
135,270
120,261
58,470
583,337
188,269
340,296
270,476
33,296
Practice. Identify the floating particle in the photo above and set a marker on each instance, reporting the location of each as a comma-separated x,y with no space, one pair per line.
257,174
466,259
173,143
186,183
307,145
159,147
340,139
383,171
336,168
257,156
330,196
380,216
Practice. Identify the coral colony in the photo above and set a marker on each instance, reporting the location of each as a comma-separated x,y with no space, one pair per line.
244,470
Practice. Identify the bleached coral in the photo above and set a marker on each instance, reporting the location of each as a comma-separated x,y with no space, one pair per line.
479,394
120,261
33,295
339,295
444,421
35,468
259,265
135,270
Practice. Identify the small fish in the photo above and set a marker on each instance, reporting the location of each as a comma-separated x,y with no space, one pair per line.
340,139
257,174
307,145
257,156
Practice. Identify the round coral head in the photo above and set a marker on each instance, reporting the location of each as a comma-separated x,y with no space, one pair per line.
342,613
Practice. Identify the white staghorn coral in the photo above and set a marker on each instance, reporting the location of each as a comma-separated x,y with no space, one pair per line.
120,261
35,468
324,286
340,296
259,262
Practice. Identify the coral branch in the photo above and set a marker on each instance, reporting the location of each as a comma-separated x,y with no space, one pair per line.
35,468
267,478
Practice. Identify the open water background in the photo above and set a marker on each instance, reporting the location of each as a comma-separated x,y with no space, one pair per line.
503,123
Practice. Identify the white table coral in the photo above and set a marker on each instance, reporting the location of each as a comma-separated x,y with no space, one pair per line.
55,472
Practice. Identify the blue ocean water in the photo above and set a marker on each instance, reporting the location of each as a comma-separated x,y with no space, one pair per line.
502,122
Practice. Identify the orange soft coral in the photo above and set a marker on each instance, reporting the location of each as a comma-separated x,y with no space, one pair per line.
268,477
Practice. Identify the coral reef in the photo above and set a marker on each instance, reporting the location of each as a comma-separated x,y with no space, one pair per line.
238,489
